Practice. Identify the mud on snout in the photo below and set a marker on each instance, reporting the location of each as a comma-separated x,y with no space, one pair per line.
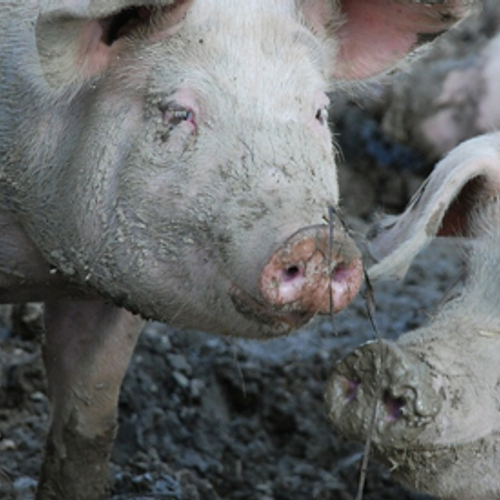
313,272
398,385
414,431
398,382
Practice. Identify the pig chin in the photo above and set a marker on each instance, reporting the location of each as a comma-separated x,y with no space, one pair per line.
273,322
446,471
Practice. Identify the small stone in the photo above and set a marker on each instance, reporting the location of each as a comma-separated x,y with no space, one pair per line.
7,444
24,487
179,363
182,380
197,387
38,397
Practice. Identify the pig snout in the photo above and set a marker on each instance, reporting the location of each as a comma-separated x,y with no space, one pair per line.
397,381
310,273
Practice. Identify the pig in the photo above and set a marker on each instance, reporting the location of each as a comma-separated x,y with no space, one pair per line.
171,160
452,95
436,389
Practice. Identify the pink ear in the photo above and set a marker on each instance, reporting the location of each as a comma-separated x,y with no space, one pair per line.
467,177
376,34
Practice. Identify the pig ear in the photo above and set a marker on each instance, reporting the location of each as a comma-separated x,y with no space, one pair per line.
79,39
375,34
467,177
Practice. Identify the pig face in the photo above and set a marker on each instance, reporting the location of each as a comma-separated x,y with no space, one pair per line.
205,159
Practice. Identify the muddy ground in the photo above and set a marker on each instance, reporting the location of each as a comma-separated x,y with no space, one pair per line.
208,418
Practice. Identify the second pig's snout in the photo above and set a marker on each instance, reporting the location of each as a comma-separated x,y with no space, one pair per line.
383,374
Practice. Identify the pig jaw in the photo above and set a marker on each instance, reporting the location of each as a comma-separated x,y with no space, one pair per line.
437,425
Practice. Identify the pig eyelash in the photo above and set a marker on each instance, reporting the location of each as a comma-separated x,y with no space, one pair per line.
322,116
174,114
173,117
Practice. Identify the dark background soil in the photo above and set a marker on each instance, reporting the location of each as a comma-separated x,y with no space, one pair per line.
204,417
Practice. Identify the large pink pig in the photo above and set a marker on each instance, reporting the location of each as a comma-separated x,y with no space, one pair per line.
172,160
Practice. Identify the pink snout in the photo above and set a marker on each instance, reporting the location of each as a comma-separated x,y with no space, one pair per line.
313,273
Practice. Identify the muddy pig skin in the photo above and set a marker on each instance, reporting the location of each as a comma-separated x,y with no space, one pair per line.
438,387
172,160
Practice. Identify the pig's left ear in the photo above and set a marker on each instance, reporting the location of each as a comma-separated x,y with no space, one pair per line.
443,206
375,34
78,40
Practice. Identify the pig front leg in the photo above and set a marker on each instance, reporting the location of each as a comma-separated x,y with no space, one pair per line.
87,349
438,416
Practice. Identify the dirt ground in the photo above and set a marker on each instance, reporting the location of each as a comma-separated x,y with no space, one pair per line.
209,418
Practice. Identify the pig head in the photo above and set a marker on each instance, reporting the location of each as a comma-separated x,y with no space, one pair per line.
437,388
173,159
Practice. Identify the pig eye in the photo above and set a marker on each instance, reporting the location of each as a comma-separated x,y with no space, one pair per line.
322,116
174,114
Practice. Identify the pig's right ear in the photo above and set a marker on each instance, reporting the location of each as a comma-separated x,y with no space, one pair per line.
79,39
444,206
373,35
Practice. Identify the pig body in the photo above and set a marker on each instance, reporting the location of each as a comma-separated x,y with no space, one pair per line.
437,390
172,158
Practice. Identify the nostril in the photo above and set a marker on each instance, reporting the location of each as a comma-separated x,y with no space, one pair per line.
291,273
394,406
350,389
341,273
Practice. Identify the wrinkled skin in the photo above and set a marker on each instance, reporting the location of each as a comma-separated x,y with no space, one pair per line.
437,388
173,159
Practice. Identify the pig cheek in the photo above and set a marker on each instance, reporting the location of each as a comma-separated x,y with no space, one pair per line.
320,130
180,141
323,136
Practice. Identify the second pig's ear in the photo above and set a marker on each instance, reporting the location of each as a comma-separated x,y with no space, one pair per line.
78,40
373,35
468,177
